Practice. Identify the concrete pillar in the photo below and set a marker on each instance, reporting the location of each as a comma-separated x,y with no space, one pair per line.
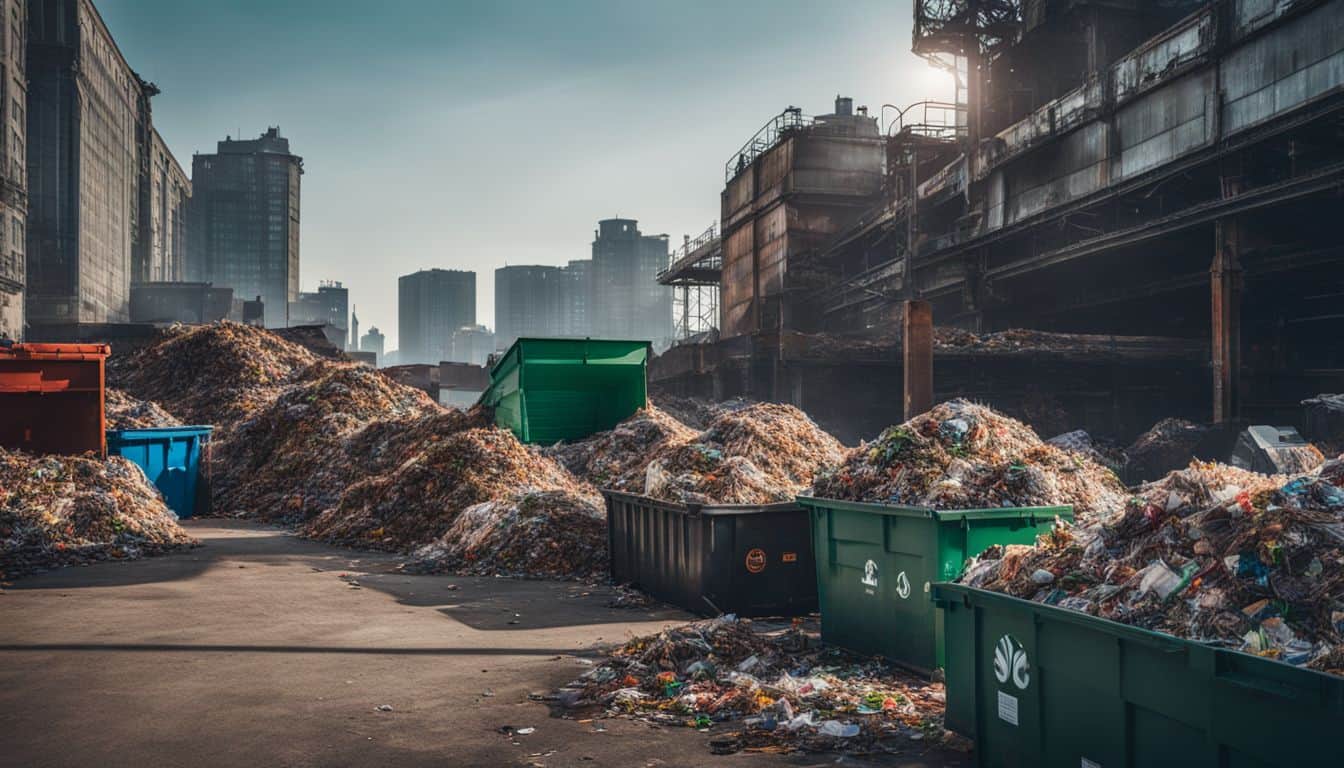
1225,282
917,352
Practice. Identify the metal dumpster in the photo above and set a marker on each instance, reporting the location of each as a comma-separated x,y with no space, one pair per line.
548,390
171,457
748,560
51,397
1034,684
876,562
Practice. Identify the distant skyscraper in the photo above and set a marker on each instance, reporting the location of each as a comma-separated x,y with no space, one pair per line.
576,298
628,302
527,302
354,331
13,168
431,305
105,195
245,220
372,342
328,306
472,345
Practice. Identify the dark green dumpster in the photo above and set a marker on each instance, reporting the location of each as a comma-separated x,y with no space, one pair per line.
548,390
876,562
1034,684
711,559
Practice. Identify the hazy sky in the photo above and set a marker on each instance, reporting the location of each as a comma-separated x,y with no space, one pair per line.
468,135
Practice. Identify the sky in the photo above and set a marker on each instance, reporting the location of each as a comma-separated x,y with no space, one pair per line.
470,135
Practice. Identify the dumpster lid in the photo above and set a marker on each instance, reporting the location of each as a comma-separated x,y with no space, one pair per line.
943,515
55,351
704,509
152,433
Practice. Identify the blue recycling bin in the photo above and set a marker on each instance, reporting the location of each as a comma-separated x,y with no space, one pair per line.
171,458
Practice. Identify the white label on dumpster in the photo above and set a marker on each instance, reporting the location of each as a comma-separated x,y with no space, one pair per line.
1085,763
869,576
902,585
1008,708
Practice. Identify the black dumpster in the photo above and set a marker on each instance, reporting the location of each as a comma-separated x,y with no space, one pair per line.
731,558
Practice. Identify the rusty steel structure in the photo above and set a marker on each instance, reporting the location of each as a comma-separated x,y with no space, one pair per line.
693,274
1164,171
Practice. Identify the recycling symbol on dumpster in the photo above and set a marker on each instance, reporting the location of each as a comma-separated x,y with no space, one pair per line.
1010,661
869,574
902,585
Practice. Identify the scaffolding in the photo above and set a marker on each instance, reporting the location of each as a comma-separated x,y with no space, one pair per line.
694,274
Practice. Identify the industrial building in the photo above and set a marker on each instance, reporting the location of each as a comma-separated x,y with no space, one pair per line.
627,300
1154,180
431,305
13,165
244,226
182,302
328,306
543,301
93,213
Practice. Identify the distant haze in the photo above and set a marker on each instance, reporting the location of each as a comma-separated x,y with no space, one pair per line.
467,135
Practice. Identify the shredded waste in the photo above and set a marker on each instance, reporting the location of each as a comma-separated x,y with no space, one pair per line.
773,682
126,412
548,534
1211,553
1170,444
619,457
696,412
70,510
962,455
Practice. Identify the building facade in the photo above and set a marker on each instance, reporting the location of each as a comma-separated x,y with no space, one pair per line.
542,301
329,306
373,342
431,305
627,301
245,220
472,345
87,121
13,164
160,253
180,302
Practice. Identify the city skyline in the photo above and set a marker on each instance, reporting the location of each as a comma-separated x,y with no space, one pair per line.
436,122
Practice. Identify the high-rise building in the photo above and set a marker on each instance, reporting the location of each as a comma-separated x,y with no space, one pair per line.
89,154
353,346
576,298
13,165
245,220
472,345
160,252
431,305
627,301
328,306
527,300
372,342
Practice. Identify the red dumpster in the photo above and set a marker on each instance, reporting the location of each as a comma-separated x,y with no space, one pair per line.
51,398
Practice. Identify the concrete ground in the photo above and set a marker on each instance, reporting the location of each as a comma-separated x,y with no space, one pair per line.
256,649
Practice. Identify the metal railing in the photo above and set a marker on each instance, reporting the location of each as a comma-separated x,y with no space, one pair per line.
932,119
791,119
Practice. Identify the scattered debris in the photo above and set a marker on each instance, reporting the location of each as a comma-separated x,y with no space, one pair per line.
549,534
126,412
962,455
383,708
1106,454
68,510
793,694
618,458
1212,553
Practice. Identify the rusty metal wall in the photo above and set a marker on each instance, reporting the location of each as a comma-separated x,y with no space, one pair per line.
1076,166
736,291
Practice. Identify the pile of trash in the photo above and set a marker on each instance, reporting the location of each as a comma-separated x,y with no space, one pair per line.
291,458
761,454
67,510
618,458
1081,442
1323,422
126,412
696,412
417,501
546,535
1169,444
776,682
215,374
1211,553
961,455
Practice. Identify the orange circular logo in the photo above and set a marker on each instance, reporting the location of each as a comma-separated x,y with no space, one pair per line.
756,560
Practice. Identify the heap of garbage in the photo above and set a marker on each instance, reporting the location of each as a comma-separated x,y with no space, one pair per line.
126,412
218,373
1102,452
68,510
962,455
619,458
775,682
1211,553
696,412
761,454
291,458
1170,444
548,534
416,502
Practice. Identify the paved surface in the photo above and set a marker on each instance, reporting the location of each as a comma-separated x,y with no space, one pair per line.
256,650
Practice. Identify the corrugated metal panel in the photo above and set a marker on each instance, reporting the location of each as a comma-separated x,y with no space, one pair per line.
1251,15
738,196
994,202
1161,125
837,166
1154,61
771,249
1075,166
1284,69
735,293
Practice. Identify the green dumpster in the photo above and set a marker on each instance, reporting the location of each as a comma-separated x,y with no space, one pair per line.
548,390
876,562
1034,684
